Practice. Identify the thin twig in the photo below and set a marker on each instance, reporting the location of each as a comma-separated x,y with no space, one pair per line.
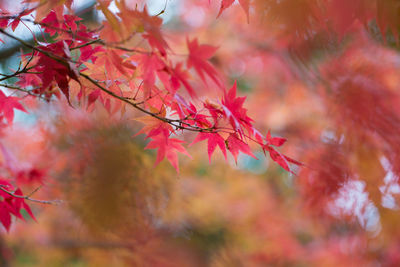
64,61
188,127
18,72
49,202
34,191
57,58
29,92
86,44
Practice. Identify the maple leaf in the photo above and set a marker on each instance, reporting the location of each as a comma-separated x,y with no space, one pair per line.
3,21
16,21
7,106
343,13
70,22
213,140
118,63
278,158
51,21
387,17
167,147
92,97
182,76
142,21
111,18
224,5
275,141
5,217
198,58
20,203
214,110
233,108
281,159
88,53
173,77
200,120
235,145
152,24
154,126
227,3
148,66
53,70
11,204
30,176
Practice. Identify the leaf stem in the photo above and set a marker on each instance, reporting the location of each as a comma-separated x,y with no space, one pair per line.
48,202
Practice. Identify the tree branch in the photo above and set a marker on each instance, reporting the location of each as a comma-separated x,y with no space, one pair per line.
188,127
178,124
49,202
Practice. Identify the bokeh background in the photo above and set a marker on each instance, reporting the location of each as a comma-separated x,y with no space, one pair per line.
323,74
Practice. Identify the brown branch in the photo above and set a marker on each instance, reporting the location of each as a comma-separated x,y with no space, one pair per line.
18,72
175,123
90,41
85,44
188,126
29,92
49,202
18,88
57,58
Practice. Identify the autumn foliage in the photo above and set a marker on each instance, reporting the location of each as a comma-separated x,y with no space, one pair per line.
295,104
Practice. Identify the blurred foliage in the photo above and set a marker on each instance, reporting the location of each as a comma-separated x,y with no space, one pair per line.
332,91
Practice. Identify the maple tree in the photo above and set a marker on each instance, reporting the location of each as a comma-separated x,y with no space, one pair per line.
145,78
332,63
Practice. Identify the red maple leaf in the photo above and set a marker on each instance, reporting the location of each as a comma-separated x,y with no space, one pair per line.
213,140
281,159
3,21
5,217
10,204
235,145
198,58
92,97
51,23
151,24
20,203
14,24
173,77
140,19
233,108
227,3
154,126
7,106
148,66
275,141
167,147
54,70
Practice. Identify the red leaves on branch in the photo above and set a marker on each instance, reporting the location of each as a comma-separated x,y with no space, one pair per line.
7,106
154,126
67,26
105,66
55,65
10,204
127,66
282,160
